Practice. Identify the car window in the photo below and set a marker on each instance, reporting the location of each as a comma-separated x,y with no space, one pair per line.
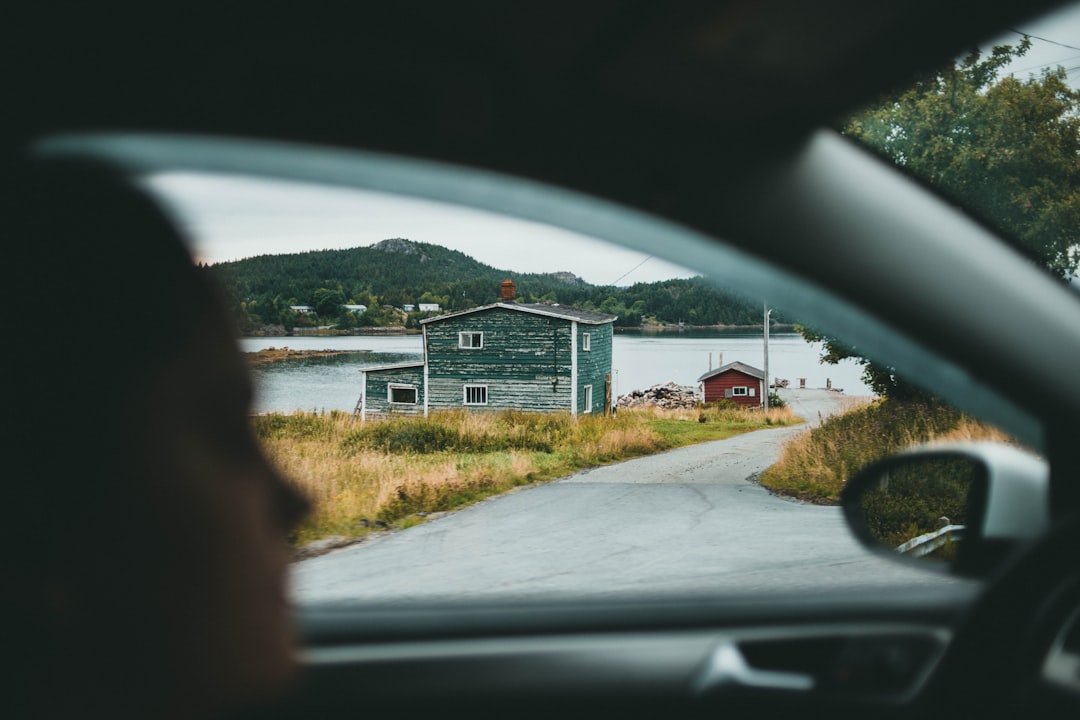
477,379
997,131
346,362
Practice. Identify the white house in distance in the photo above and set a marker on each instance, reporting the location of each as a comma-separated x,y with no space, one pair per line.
357,309
429,307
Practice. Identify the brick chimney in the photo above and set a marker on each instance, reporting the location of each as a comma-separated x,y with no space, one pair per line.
508,290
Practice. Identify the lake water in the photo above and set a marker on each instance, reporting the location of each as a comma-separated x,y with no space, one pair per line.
639,361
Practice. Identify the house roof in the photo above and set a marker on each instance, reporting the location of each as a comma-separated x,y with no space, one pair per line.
736,366
564,312
393,366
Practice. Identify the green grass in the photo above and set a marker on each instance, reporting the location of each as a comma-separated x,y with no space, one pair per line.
678,433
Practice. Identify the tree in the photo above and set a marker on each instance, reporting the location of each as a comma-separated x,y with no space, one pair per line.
328,302
881,379
1007,150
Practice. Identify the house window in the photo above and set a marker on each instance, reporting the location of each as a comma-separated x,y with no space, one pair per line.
739,391
476,395
753,392
471,340
586,397
402,394
586,342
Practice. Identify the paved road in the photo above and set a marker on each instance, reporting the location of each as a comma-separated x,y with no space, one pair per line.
689,520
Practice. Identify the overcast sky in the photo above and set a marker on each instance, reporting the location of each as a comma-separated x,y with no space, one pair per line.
232,218
1055,41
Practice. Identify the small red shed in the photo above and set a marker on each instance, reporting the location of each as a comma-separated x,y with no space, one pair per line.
734,381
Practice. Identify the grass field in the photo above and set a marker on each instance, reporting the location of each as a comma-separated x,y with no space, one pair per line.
366,476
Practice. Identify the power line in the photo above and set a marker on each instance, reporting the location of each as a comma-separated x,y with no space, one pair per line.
1046,64
1052,42
647,259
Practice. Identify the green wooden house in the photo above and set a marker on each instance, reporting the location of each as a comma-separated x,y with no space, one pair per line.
507,355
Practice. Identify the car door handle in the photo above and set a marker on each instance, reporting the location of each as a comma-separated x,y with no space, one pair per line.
726,668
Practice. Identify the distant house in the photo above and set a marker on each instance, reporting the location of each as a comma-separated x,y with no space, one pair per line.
357,309
506,355
429,307
302,309
735,381
408,308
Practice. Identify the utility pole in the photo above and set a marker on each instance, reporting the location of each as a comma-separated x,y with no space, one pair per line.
765,400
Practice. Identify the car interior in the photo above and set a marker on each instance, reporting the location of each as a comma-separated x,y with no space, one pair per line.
703,133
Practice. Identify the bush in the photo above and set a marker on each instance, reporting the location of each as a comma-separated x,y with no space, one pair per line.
914,498
297,425
817,464
404,436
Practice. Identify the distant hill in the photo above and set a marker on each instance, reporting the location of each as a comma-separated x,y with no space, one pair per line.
397,271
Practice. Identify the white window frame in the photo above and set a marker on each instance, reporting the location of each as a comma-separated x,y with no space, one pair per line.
391,387
483,389
586,398
471,334
586,342
739,391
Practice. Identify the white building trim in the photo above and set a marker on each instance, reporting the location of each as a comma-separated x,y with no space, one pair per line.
427,384
573,367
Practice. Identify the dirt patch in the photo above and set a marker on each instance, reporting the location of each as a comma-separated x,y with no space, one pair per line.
806,498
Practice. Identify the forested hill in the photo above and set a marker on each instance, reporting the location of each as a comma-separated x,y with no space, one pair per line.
399,272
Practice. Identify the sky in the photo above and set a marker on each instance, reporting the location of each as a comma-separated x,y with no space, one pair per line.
1055,40
229,218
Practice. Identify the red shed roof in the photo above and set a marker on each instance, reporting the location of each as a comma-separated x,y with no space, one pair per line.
736,366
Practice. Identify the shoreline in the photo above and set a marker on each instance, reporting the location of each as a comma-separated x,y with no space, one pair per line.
773,328
269,355
397,330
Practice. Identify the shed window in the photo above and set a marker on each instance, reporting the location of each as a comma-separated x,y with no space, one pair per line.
586,397
471,340
586,342
403,394
476,395
738,391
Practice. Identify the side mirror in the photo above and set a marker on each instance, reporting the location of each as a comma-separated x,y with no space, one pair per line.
957,507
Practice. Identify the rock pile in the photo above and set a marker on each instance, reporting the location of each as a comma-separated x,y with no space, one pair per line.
668,395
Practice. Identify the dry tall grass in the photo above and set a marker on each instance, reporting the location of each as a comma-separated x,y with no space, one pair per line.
815,465
363,475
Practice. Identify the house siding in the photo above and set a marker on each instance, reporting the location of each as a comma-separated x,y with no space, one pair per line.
525,357
716,386
594,365
502,394
377,384
521,354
